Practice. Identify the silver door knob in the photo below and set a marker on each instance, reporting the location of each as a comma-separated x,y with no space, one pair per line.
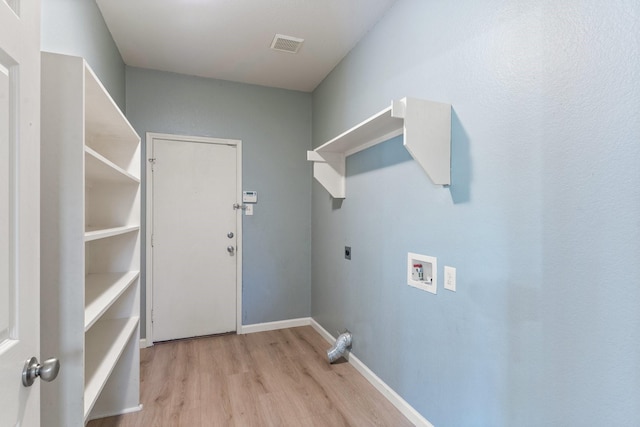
230,234
48,371
230,249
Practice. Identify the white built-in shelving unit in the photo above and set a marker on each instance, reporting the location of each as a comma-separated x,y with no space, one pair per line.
426,126
90,247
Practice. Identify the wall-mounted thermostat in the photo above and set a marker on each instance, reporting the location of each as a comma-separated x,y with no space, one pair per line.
249,197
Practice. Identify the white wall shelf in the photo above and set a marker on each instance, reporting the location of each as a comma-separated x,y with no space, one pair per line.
105,344
102,233
90,246
99,168
102,290
107,130
426,126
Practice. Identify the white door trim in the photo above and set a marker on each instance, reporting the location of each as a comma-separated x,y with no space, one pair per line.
150,137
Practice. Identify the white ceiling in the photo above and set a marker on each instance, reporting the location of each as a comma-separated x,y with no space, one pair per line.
231,39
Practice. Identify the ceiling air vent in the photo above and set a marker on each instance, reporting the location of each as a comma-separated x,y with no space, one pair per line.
286,43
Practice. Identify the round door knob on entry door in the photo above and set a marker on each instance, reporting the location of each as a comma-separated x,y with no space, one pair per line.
48,371
230,234
230,249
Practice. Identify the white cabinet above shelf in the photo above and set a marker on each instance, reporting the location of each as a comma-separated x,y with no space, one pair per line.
426,126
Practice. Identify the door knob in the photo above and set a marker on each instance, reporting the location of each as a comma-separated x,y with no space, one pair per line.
230,234
48,371
230,249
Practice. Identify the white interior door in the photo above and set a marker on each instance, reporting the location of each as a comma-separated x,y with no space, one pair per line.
19,208
194,237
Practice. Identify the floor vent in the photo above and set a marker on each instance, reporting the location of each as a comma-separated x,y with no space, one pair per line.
286,43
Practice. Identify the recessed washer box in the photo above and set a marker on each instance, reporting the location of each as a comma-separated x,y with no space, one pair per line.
422,272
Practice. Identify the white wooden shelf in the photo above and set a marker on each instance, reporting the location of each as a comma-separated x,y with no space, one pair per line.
102,290
99,168
105,343
426,126
90,185
107,130
103,118
101,233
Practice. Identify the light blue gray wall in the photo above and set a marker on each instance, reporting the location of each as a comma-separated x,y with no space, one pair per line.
76,27
275,128
542,220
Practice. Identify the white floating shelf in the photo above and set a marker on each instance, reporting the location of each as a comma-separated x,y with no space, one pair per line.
426,126
102,290
104,345
101,233
99,168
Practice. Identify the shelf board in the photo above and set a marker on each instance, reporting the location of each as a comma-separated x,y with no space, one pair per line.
378,128
99,168
103,118
93,233
104,345
102,290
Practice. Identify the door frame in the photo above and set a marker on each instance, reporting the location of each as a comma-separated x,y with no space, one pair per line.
150,137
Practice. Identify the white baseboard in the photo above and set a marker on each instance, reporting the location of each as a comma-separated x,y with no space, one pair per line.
393,397
272,326
144,343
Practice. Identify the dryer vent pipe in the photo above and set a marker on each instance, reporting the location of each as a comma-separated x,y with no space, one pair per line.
342,344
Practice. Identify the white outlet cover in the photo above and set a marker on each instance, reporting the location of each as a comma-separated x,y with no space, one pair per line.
430,265
450,278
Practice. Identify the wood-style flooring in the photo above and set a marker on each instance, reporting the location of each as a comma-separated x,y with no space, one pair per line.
275,378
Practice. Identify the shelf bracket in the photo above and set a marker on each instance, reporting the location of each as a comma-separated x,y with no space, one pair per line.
329,170
427,135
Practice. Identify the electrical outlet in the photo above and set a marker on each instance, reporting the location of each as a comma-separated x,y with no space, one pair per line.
450,278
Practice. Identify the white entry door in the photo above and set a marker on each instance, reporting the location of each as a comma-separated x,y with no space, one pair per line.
19,208
194,236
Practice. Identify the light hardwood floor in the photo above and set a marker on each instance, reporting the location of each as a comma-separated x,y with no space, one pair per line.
275,378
